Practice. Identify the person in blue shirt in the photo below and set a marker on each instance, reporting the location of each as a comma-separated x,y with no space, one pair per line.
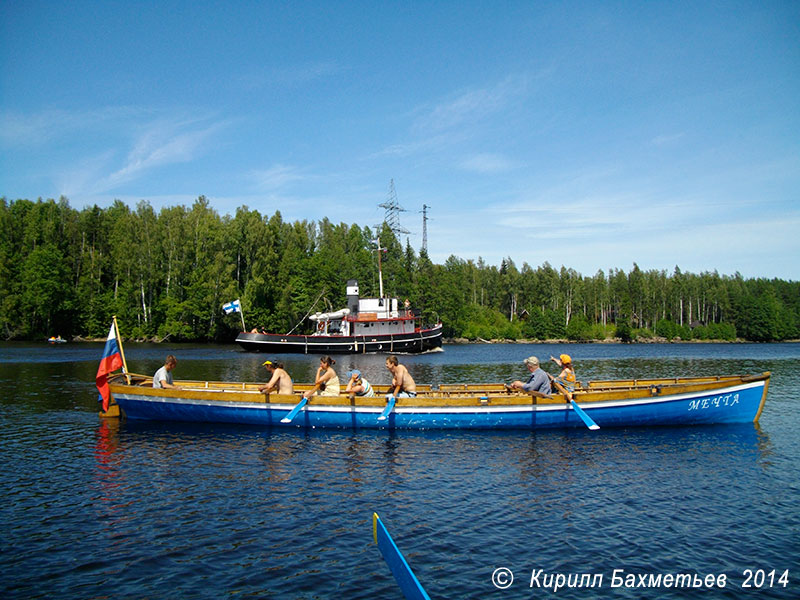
537,382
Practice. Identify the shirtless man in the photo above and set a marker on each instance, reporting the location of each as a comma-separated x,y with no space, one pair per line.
403,385
280,381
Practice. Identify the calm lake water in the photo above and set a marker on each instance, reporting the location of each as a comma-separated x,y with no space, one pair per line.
103,509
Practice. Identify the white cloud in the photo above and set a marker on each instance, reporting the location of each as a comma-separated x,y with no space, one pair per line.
290,76
430,144
472,106
277,176
667,139
163,143
727,247
453,122
149,143
42,127
488,163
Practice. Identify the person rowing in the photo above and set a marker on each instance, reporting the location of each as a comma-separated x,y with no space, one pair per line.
403,385
280,380
567,376
538,382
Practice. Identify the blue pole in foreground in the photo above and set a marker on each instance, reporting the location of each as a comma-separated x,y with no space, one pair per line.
408,582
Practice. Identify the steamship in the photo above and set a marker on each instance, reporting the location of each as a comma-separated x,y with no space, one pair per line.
366,325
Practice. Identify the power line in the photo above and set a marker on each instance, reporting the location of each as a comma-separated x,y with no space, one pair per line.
393,210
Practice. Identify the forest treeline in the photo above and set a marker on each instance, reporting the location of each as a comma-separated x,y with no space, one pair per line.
166,275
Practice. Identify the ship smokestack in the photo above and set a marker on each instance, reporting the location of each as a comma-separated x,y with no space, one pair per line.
352,296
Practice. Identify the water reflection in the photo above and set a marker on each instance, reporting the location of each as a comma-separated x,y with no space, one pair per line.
106,455
215,510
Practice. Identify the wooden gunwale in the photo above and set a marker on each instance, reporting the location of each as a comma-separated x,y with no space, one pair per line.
615,383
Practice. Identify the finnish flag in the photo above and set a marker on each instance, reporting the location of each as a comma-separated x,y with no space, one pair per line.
232,307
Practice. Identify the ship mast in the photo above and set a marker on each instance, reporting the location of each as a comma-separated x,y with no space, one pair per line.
380,271
425,208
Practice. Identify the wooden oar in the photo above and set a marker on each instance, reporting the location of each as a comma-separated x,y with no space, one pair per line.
293,413
408,582
581,413
390,402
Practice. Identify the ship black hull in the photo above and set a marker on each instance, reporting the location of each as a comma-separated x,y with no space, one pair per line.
404,343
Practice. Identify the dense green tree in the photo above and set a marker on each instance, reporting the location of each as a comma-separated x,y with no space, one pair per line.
166,274
757,318
46,290
578,328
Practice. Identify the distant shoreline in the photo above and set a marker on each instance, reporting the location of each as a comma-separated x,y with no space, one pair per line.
480,341
464,341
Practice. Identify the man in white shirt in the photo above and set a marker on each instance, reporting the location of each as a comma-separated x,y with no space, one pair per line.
163,377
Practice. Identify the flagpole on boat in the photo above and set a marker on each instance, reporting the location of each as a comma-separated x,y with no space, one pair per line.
121,351
241,314
380,272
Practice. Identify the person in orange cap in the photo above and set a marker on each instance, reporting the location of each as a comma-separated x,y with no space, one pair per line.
567,376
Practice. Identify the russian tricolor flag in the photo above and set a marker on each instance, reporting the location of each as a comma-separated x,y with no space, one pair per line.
110,361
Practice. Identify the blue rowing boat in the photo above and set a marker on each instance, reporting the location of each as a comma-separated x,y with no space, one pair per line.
596,405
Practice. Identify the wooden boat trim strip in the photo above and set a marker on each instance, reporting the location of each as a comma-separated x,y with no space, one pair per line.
763,398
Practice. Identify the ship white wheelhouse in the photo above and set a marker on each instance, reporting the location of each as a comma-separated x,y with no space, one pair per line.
365,317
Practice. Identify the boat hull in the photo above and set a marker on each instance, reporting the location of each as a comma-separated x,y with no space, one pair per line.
739,403
423,340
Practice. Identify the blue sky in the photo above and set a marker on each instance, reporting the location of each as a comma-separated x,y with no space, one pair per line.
588,134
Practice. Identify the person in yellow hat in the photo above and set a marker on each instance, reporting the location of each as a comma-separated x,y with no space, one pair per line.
280,381
567,376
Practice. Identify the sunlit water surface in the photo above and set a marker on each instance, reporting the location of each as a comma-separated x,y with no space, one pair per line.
102,509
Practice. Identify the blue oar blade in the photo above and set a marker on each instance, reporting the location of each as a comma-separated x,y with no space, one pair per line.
408,582
293,413
389,408
584,417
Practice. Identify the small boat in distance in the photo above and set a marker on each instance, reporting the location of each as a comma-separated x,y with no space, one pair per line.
366,325
56,340
596,404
